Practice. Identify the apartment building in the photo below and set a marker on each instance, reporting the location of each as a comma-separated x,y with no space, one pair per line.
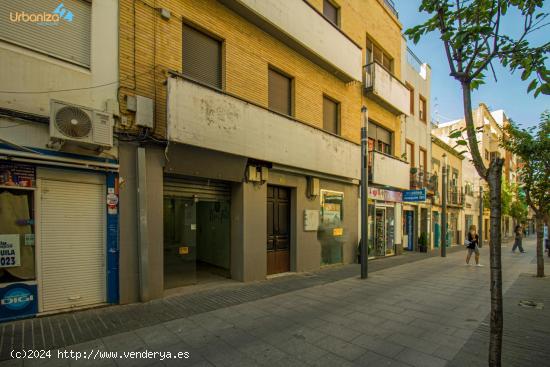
417,150
58,157
446,157
242,123
491,131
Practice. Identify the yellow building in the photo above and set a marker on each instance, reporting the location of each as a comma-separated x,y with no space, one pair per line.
444,156
243,117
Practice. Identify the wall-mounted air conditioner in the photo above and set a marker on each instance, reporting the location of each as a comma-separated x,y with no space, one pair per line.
69,122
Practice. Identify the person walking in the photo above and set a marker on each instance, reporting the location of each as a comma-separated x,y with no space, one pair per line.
473,245
518,239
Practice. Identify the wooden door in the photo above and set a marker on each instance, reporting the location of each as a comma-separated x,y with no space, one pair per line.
278,230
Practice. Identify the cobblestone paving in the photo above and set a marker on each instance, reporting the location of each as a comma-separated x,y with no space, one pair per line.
420,313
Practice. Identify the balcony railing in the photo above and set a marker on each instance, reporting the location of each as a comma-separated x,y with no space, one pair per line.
424,180
387,89
391,5
455,196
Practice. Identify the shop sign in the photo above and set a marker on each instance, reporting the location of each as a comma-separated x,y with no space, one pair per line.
18,300
9,250
385,195
18,175
414,195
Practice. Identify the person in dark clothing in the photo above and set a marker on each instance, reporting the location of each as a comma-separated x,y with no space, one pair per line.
518,239
473,245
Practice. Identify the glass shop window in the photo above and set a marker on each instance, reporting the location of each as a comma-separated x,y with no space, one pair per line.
332,234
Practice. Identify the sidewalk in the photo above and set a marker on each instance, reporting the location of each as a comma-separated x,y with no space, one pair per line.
56,331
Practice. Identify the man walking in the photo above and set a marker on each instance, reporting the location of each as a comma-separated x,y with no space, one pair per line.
518,239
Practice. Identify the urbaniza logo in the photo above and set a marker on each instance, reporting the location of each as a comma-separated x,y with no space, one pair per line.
43,18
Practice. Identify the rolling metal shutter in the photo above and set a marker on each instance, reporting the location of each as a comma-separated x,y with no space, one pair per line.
330,116
201,57
203,189
72,244
67,40
279,87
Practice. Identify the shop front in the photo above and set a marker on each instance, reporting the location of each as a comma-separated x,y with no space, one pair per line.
58,236
385,208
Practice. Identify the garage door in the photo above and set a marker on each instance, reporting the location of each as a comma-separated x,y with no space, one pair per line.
72,244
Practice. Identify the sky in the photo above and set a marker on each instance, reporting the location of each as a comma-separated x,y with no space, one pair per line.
509,92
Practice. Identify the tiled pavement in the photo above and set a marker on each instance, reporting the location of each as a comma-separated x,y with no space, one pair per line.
420,313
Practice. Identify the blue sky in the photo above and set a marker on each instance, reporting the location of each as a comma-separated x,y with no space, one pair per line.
508,93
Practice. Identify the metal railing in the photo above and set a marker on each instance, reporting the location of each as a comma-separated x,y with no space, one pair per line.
455,196
414,61
391,5
421,180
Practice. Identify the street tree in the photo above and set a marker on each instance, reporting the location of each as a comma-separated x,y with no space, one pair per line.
473,40
533,148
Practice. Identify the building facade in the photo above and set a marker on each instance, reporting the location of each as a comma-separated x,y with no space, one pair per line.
58,157
445,156
242,121
417,150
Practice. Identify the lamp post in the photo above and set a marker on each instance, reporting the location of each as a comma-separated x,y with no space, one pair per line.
364,194
444,207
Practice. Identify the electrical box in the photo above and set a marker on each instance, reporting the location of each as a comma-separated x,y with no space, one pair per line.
252,174
145,112
313,187
264,173
311,220
131,103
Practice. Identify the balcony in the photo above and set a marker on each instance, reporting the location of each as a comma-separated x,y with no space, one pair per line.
424,180
385,88
391,6
299,25
455,196
205,117
387,170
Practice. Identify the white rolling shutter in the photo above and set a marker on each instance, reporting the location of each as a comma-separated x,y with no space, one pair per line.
72,244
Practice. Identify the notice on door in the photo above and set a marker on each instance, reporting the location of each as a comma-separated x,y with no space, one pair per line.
9,250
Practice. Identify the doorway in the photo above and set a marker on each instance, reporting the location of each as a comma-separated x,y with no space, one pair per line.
278,230
380,232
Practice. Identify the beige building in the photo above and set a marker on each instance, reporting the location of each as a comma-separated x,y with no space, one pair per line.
242,122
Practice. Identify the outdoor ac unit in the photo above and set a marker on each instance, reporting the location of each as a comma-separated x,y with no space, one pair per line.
70,122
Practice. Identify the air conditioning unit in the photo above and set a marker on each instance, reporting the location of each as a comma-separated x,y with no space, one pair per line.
69,122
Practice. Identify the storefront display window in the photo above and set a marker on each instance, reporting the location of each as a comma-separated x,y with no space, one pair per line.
331,233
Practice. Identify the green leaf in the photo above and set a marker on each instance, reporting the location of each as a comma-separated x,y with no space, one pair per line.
532,85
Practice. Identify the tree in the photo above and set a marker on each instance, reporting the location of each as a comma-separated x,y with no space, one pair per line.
519,211
533,148
472,38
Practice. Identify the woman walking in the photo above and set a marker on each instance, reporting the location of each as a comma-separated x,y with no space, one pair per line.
518,240
473,245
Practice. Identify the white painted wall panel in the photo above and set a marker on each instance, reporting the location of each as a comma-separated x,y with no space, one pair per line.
390,171
390,89
206,118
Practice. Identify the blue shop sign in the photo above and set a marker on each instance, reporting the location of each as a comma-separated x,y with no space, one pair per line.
414,195
18,300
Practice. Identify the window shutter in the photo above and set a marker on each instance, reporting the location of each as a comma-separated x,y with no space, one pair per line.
279,92
330,116
330,12
65,40
201,57
383,135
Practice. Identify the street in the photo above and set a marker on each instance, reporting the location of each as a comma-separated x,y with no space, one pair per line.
420,313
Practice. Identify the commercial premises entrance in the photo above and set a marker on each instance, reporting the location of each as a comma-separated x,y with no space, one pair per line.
196,231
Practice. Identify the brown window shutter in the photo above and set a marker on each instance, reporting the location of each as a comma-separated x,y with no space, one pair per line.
279,92
330,12
330,116
201,57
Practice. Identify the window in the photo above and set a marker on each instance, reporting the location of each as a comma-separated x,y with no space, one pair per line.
331,116
375,53
280,92
410,153
201,57
331,12
422,108
381,138
423,160
411,97
486,154
66,40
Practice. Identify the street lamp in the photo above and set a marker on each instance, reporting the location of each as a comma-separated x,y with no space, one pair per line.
444,207
364,194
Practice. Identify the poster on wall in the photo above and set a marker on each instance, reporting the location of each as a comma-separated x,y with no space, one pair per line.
17,175
18,300
10,254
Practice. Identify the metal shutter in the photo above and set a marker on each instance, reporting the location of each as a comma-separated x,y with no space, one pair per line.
279,92
330,115
201,57
203,189
67,40
72,244
330,12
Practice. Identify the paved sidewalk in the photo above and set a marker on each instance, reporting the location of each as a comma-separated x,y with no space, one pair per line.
420,313
56,331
